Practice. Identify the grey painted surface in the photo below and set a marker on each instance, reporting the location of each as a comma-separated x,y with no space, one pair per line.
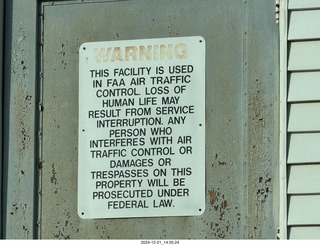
1,99
20,120
262,121
241,115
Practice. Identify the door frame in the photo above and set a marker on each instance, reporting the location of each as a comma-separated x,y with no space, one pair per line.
1,101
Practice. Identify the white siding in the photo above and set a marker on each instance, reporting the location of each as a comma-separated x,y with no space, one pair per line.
304,179
304,210
304,148
304,86
304,56
303,119
304,232
304,25
303,4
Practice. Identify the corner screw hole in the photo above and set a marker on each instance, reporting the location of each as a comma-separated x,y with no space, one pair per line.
84,48
82,213
200,209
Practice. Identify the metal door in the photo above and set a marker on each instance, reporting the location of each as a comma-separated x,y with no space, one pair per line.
241,115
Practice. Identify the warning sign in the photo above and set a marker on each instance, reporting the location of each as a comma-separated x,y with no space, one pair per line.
142,128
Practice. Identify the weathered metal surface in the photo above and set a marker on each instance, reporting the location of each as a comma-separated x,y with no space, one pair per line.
224,25
241,114
20,120
262,121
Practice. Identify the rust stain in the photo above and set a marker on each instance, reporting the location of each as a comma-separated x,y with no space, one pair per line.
213,196
259,155
223,227
53,177
61,235
23,104
263,188
224,204
63,53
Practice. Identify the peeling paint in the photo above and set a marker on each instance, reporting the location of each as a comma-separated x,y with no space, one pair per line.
24,105
53,177
213,196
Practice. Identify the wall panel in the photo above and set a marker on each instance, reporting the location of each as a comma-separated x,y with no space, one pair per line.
304,179
304,117
304,25
304,86
303,210
303,148
304,232
304,56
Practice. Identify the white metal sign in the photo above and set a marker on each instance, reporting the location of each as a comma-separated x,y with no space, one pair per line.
142,128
